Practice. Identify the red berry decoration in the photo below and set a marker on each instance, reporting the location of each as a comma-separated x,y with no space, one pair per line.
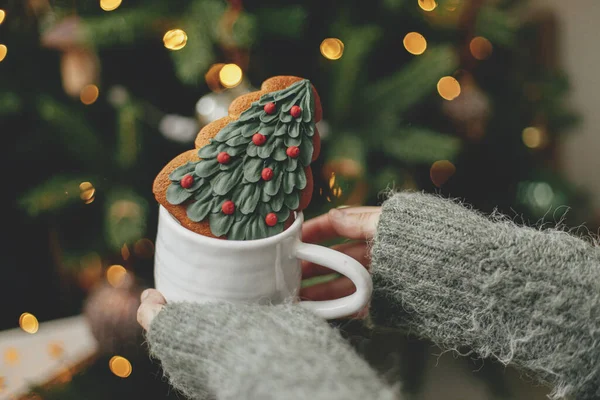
270,108
228,207
271,219
259,139
296,111
293,151
223,158
187,181
267,174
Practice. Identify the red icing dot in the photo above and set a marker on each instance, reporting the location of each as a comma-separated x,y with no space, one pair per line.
228,207
223,158
296,111
259,139
293,151
271,219
187,181
267,174
270,108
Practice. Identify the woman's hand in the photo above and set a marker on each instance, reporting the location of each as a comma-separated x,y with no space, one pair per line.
152,303
357,224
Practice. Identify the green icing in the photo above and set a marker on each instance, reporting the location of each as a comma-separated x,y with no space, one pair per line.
240,180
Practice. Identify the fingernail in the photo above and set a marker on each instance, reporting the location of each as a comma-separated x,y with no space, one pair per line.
145,294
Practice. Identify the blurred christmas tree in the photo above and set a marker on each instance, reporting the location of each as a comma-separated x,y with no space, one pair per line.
459,97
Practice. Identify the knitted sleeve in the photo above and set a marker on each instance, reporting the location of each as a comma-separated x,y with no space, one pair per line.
523,296
224,351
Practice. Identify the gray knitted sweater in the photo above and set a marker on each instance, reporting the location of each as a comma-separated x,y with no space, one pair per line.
522,296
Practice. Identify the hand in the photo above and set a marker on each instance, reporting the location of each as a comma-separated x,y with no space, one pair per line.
152,303
358,224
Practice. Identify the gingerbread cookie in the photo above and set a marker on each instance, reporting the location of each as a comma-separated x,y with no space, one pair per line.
250,170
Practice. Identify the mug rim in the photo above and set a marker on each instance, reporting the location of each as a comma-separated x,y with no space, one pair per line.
173,223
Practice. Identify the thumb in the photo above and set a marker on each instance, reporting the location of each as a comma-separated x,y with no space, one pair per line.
355,223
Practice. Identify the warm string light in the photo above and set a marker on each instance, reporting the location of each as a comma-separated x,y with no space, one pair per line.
332,48
3,51
448,87
415,43
29,323
2,15
534,137
115,274
480,48
175,39
87,192
110,5
120,366
230,75
441,171
89,94
427,5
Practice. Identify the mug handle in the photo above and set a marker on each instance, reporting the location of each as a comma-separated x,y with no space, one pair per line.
345,265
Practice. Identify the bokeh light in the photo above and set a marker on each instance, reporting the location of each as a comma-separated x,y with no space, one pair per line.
109,5
87,192
2,384
55,350
332,48
120,366
115,274
230,75
29,323
89,94
441,171
448,87
427,5
480,48
125,253
2,15
534,137
144,248
11,356
415,43
212,77
3,51
175,39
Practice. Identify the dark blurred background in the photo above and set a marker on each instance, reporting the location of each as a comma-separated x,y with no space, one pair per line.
490,101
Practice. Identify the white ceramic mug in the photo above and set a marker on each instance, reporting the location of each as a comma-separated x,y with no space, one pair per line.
192,267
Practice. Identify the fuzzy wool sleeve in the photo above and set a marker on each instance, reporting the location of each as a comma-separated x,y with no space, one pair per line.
523,296
224,351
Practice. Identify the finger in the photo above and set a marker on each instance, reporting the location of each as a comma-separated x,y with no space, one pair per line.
356,250
152,296
355,223
147,312
322,228
335,289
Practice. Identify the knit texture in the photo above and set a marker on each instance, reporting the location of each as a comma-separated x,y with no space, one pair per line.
526,297
227,351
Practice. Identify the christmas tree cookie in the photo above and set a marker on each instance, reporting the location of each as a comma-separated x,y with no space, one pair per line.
250,170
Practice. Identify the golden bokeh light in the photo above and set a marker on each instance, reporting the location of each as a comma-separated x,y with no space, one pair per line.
125,253
29,323
332,48
480,48
11,356
109,5
87,192
3,51
2,15
230,75
120,366
212,77
427,5
115,274
441,171
415,43
175,39
448,87
144,248
55,350
89,94
534,137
